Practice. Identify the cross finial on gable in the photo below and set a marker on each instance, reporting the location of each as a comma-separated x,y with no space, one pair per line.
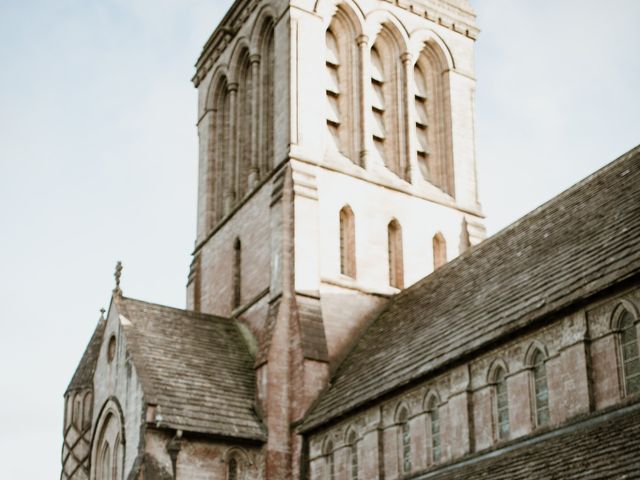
118,274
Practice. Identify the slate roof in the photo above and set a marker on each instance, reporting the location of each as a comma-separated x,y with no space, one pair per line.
604,447
581,242
83,376
196,368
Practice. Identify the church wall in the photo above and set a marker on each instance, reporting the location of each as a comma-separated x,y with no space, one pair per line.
199,458
581,359
250,224
117,382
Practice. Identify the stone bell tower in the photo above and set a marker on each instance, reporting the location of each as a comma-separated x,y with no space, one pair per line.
337,166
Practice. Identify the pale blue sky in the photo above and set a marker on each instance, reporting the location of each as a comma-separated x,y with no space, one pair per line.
98,160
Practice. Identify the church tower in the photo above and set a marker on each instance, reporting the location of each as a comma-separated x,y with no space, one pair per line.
337,167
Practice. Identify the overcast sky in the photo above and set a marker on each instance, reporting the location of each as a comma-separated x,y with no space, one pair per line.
98,155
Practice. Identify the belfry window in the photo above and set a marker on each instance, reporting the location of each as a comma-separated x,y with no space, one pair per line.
432,118
630,354
347,243
396,260
422,122
540,389
405,440
502,403
333,88
378,102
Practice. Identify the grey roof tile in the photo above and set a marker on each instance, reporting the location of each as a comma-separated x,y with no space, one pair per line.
196,368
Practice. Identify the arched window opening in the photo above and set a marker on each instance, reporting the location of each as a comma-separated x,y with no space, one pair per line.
405,439
502,403
422,123
106,463
439,251
347,243
267,64
630,354
330,461
434,430
232,469
334,116
541,389
353,455
432,119
342,84
244,116
86,411
77,411
220,148
386,107
237,273
396,260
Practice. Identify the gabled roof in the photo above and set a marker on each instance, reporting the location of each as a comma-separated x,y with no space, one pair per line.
602,446
83,376
196,368
581,242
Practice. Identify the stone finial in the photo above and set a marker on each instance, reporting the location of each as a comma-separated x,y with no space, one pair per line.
118,275
102,312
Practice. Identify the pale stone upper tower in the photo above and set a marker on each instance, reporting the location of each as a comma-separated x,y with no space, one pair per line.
337,166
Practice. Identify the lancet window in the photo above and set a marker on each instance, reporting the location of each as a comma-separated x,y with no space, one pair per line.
353,456
434,430
630,354
405,439
396,259
439,251
501,403
540,389
347,243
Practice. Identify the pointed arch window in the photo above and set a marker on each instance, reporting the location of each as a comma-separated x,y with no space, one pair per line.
540,389
432,121
353,456
221,174
232,469
630,354
386,105
330,461
501,403
237,273
342,85
347,242
244,116
267,65
422,122
434,430
439,251
405,439
396,259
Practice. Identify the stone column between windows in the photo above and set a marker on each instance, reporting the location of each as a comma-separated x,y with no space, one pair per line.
230,181
406,163
254,172
369,458
363,78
